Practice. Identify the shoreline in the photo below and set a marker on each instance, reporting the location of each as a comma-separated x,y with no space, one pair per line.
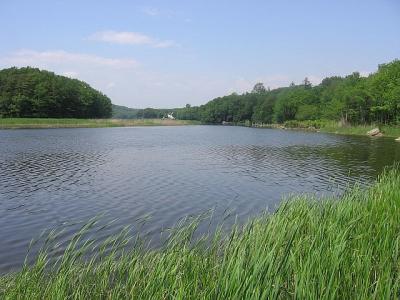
49,123
333,128
389,131
308,248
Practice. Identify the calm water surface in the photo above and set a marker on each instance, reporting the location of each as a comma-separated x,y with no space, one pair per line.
56,178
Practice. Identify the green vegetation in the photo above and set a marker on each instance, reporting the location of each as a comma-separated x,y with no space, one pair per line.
352,100
10,123
347,248
123,112
390,131
337,127
29,92
345,105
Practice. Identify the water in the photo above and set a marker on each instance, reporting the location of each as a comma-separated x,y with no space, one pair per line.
55,178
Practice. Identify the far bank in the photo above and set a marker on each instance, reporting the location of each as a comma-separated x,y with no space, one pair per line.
334,127
28,123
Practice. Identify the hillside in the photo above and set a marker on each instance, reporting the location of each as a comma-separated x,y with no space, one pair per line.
123,112
30,92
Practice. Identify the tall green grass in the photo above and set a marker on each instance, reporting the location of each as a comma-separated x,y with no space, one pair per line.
347,248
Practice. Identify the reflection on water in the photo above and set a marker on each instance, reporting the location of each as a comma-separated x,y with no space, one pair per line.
57,177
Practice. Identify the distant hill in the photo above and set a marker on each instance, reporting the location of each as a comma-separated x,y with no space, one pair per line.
30,92
123,112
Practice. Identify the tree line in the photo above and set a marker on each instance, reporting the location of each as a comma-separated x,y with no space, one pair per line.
30,92
351,99
122,112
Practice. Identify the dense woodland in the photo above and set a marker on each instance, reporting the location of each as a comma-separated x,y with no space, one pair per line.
30,92
352,99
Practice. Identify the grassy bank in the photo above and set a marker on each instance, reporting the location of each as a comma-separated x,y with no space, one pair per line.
389,131
335,127
347,248
14,123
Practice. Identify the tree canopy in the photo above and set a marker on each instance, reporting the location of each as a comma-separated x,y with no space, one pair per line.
30,92
353,99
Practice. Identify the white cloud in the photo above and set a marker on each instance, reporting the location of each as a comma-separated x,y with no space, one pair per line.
60,57
110,85
242,85
365,73
157,12
128,83
314,79
123,37
129,38
102,73
151,11
70,74
165,44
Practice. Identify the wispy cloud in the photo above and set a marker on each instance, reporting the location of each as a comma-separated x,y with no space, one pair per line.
165,44
130,38
61,57
103,73
110,85
365,73
129,83
70,74
151,11
157,12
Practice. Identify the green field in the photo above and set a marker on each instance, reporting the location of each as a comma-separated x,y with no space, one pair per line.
347,248
14,123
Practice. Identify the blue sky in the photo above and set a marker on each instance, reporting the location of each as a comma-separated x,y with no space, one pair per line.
169,53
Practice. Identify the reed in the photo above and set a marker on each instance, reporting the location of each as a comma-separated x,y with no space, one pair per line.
27,123
332,248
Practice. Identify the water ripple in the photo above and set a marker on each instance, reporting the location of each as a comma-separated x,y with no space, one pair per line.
61,178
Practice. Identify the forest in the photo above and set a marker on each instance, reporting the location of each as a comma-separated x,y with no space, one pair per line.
33,93
352,99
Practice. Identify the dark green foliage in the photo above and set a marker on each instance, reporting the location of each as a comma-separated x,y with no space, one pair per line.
30,92
259,88
122,112
188,113
351,99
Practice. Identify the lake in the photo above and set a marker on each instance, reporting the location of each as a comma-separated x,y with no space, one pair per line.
60,178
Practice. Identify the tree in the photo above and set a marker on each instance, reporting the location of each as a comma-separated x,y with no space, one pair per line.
259,88
306,83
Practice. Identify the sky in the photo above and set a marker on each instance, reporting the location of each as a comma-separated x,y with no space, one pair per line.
166,54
